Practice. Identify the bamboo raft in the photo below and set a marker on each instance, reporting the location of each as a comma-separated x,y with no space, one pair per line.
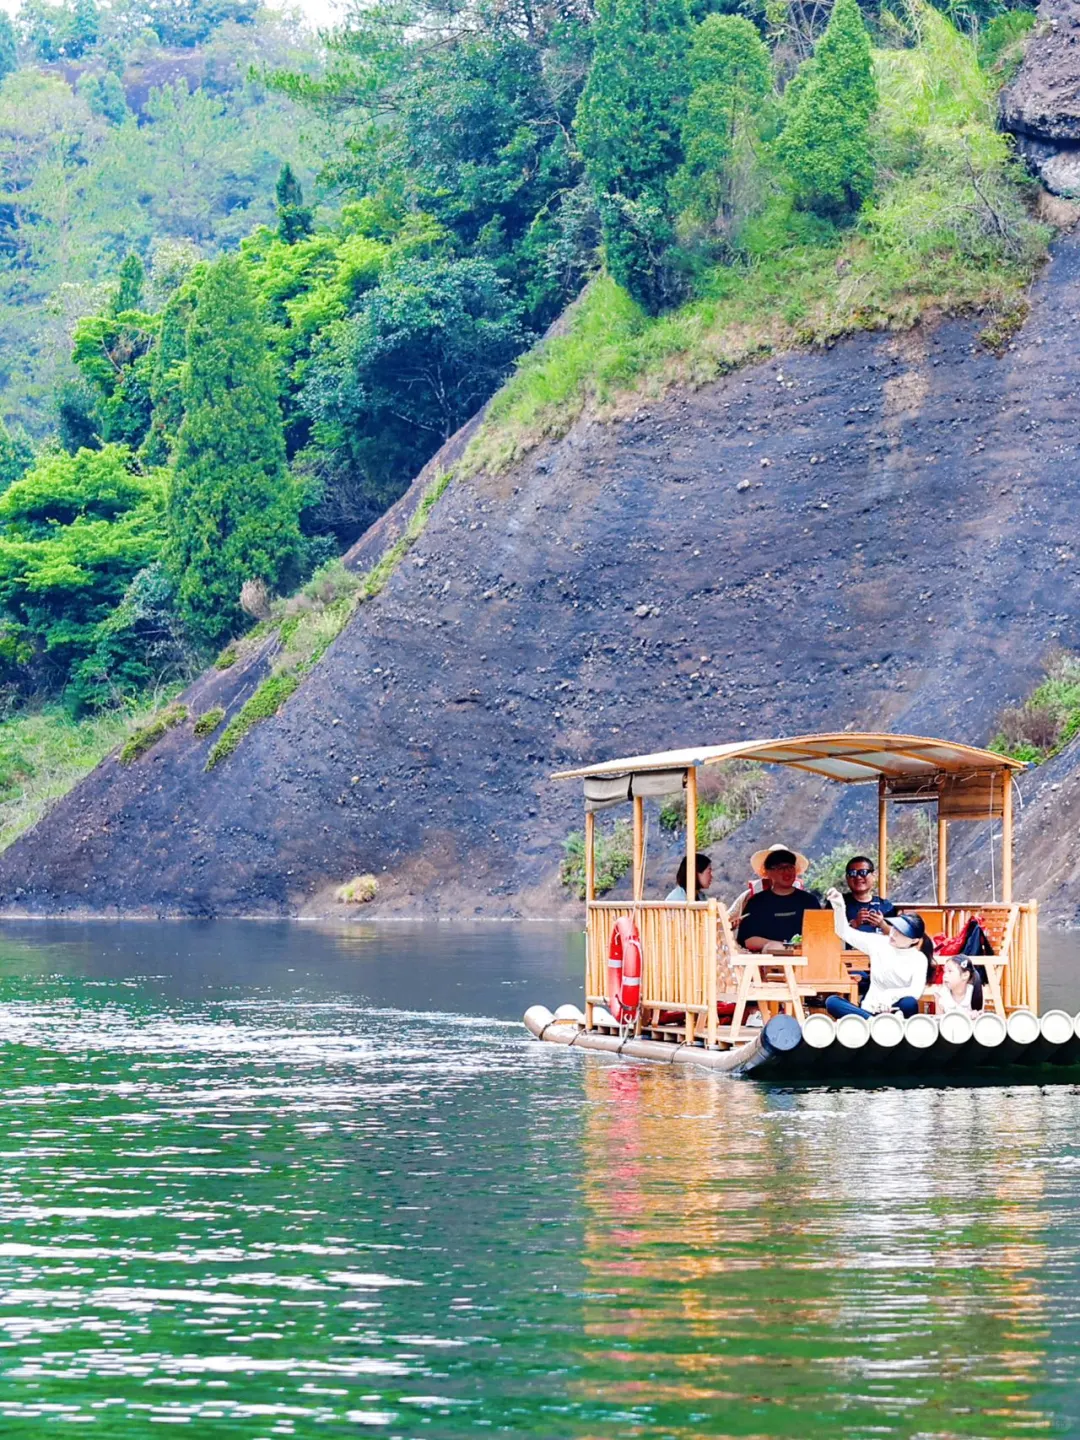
953,1050
699,987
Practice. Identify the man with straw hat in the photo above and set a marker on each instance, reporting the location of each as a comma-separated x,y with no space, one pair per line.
773,917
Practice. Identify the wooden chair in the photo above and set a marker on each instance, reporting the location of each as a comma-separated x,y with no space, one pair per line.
827,971
755,978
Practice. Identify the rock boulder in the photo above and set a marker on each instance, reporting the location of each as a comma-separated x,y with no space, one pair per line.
1041,106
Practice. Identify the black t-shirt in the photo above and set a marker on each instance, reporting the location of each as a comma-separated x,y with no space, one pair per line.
776,917
883,907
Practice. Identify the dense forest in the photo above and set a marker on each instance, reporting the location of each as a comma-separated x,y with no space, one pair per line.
252,278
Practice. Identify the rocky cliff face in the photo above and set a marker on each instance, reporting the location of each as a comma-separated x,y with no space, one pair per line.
1042,104
882,536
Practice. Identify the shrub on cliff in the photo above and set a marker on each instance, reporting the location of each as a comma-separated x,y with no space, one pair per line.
825,147
233,508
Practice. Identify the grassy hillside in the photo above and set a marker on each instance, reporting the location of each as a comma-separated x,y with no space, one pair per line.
949,229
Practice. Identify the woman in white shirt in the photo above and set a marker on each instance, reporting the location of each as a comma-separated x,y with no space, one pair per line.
898,962
961,987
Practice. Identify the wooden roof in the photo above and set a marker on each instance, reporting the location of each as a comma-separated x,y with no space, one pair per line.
847,756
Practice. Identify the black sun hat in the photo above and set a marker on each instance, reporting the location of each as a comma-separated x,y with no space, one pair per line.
910,925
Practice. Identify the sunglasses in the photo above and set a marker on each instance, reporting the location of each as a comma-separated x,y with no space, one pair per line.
862,874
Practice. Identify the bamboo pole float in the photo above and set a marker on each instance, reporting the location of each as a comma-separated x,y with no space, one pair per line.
942,859
639,847
882,837
691,833
1006,840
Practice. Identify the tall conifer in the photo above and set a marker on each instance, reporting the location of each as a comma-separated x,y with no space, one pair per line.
629,124
826,146
233,508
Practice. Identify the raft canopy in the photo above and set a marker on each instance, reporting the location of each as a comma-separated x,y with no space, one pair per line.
962,781
904,762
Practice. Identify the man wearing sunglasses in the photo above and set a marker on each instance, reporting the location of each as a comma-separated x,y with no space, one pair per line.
865,910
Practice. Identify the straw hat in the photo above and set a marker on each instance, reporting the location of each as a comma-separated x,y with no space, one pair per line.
757,860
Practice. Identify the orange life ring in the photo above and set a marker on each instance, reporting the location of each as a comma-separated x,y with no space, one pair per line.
624,970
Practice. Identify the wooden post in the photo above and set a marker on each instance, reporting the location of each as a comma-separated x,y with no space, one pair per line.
882,837
942,859
691,833
590,895
639,847
712,922
1006,839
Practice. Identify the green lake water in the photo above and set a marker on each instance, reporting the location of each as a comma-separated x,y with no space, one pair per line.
265,1180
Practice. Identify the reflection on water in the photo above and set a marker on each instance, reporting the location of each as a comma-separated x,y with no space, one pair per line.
260,1180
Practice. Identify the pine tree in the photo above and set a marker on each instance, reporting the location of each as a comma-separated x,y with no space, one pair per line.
629,124
233,508
294,217
826,145
9,59
731,74
129,291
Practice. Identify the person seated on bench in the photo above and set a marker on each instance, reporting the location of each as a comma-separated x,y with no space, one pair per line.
866,910
961,987
898,963
773,918
704,879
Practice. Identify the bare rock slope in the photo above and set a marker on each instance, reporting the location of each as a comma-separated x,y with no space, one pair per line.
882,535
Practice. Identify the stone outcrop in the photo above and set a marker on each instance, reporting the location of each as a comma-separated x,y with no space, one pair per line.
1041,106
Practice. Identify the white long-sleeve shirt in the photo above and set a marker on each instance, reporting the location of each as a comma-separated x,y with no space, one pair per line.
894,973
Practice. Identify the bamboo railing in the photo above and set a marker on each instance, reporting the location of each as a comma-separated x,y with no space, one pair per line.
678,954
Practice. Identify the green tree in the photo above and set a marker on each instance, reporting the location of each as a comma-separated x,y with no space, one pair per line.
105,95
629,125
9,59
233,509
73,533
387,386
129,289
825,146
294,217
16,456
166,380
731,75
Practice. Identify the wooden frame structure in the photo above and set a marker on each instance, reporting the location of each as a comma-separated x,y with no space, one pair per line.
691,962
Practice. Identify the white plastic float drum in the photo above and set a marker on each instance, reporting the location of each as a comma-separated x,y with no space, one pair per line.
887,1029
571,1013
819,1031
990,1029
852,1031
921,1031
1023,1027
955,1027
1056,1027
